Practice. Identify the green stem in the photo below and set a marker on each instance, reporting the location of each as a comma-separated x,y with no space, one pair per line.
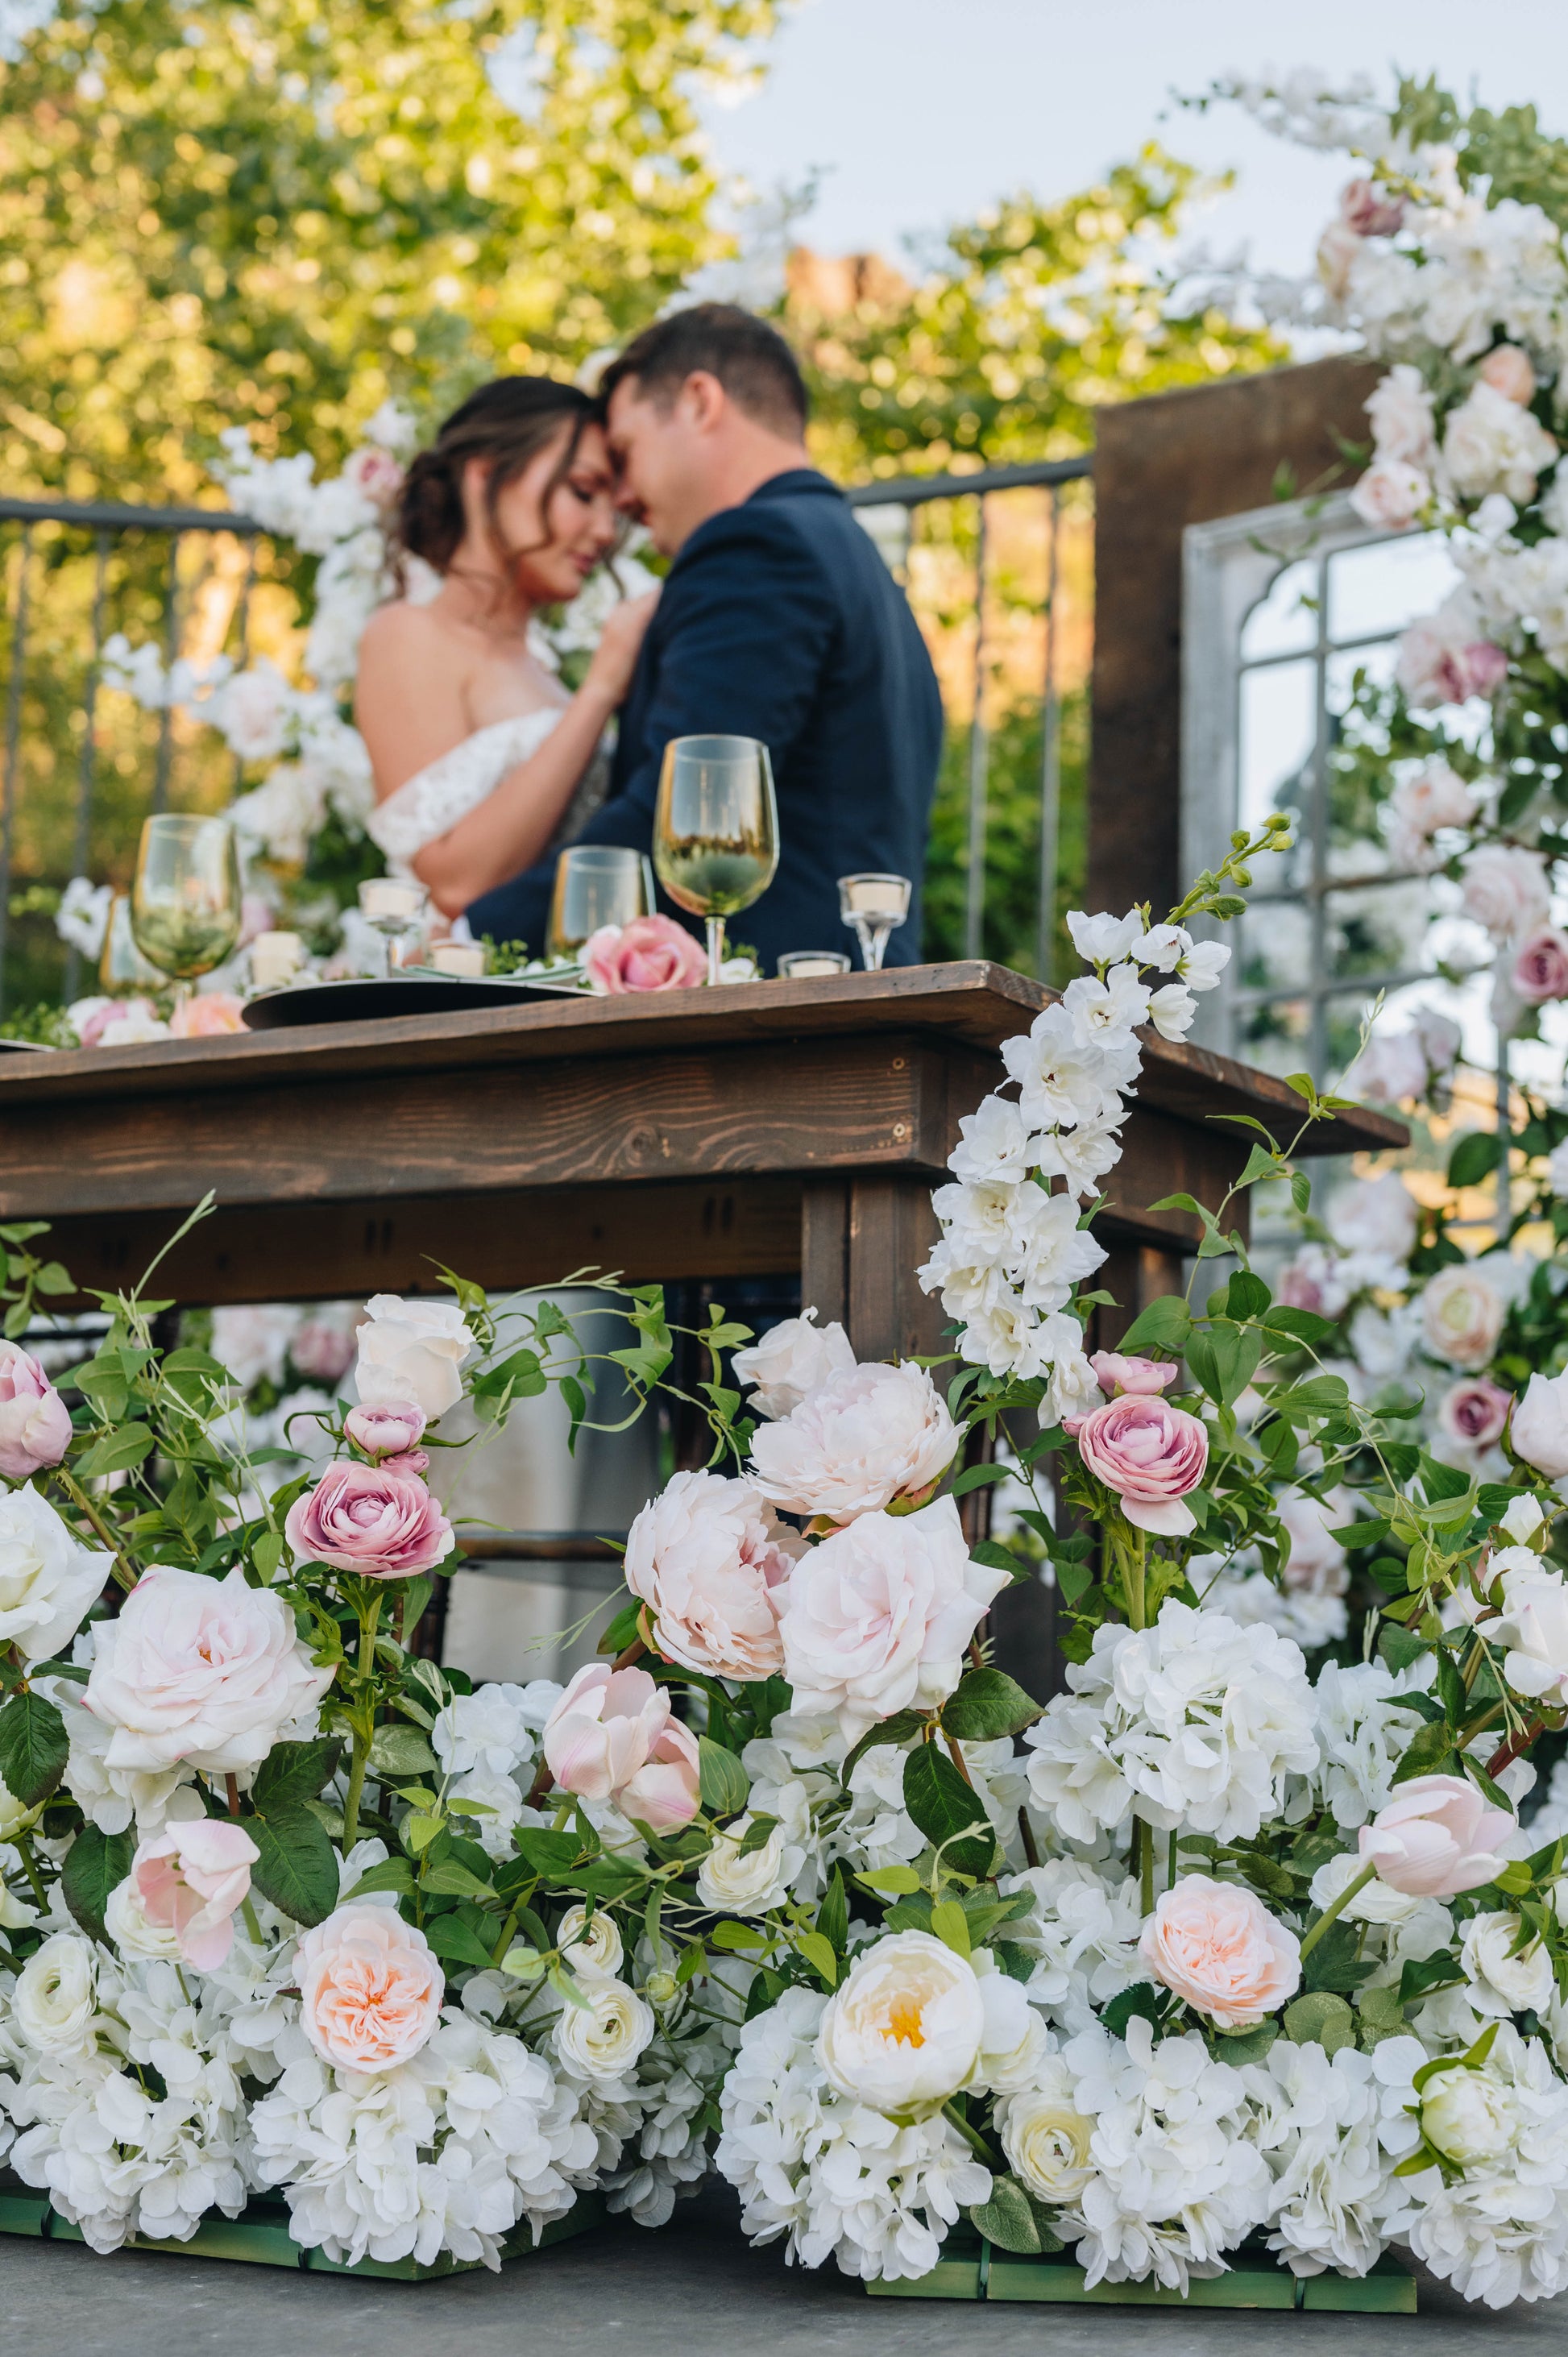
356,1764
508,1932
364,1734
1135,1590
971,2135
1147,1867
248,1914
25,1849
123,1571
1336,1907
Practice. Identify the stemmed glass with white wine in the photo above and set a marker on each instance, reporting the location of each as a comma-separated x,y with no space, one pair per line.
596,884
715,830
185,901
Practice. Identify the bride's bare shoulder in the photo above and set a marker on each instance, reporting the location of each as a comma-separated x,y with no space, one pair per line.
402,628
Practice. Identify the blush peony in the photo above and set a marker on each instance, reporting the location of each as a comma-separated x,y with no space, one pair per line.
869,1436
209,1671
793,1359
35,1422
903,2030
651,953
191,1878
412,1352
1437,1837
1151,1454
1219,1948
709,1558
369,1988
876,1618
370,1519
612,1737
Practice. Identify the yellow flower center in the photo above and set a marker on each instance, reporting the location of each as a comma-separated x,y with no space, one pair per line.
904,2022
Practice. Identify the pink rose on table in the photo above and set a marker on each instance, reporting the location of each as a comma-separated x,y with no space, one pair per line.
109,1014
191,1878
1148,1377
369,1519
35,1422
1539,1434
710,1559
651,953
209,1015
1151,1454
1540,968
868,1436
1475,1413
386,1429
612,1737
1437,1837
369,1988
1217,1946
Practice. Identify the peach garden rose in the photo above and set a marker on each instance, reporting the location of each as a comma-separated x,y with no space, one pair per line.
369,1988
1217,1947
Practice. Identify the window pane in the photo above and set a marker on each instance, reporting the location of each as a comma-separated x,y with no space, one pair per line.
1387,584
1274,948
1276,1037
1279,724
1286,622
1379,932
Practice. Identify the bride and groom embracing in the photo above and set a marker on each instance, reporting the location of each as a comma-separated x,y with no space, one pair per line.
778,619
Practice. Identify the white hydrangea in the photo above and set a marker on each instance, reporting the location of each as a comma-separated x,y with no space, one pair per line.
1083,1929
1362,1733
488,1744
1332,2130
1307,1619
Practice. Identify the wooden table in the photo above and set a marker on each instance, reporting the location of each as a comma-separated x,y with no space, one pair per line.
757,1130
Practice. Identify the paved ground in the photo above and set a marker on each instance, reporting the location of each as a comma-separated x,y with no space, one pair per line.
691,2291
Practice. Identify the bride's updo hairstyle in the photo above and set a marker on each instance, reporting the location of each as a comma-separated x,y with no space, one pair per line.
505,425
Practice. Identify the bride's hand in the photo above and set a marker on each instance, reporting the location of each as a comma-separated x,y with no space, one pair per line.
615,657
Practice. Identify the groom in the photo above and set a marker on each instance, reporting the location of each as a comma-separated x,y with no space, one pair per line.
777,621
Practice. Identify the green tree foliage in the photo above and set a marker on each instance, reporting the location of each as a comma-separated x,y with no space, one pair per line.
1009,930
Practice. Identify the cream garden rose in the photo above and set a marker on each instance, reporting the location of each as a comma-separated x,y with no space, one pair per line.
864,1438
711,1560
411,1352
1461,1315
1045,2137
49,1581
793,1359
369,1988
56,1994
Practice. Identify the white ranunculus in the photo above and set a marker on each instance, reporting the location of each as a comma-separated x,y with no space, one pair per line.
1046,2138
1375,1215
49,1581
793,1359
1467,2116
1493,444
1501,1982
876,1618
55,1996
734,1884
903,2030
1461,1315
412,1351
1539,1430
1506,891
868,1436
600,2041
590,1946
1534,1631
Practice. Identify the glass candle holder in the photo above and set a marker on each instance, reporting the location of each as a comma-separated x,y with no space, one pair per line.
465,958
873,906
395,906
804,965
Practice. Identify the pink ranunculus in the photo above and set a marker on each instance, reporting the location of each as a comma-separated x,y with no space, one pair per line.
1369,210
191,1878
1217,1946
407,1460
35,1422
1475,1413
209,1015
369,1988
710,1559
651,953
386,1429
323,1347
1437,1837
1509,371
1151,1454
1146,1377
368,1519
1540,968
612,1737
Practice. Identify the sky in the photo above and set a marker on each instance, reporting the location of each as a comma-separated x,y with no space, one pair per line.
918,112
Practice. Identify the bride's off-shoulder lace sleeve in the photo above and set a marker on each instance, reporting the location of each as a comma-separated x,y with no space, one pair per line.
430,803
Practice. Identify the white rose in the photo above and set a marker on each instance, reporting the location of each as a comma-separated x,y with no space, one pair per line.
1391,1068
1046,2137
794,1357
1461,1317
1375,1215
1534,1630
867,1438
128,1927
412,1351
14,1817
1467,2116
208,1670
1500,1981
1505,889
590,1947
876,1618
731,1884
902,2032
1014,2040
1419,806
49,1581
1539,1430
1391,493
600,2040
1492,444
252,1340
55,1997
1376,1902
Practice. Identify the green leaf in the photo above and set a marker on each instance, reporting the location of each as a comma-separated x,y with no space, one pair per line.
897,1729
391,1874
832,1915
1162,1324
1237,1350
738,1937
1321,1395
1007,2219
1142,2000
987,1704
449,1878
1334,1962
951,1925
1299,1325
94,1864
975,1477
1401,1647
1322,2019
1248,2045
1015,1960
34,1747
118,1450
546,1851
1473,1156
1301,1191
1247,1295
292,1772
819,1955
723,1782
401,1751
1072,1579
1263,1162
890,1881
948,1811
298,1869
457,1941
1425,1753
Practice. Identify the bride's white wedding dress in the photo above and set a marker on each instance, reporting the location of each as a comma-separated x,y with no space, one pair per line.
431,804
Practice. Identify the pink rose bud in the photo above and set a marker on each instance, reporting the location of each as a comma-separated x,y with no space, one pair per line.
1217,1946
1114,1373
368,1519
1437,1837
385,1430
1151,1454
35,1423
612,1737
651,953
407,1460
1540,968
1369,210
1474,1411
1509,372
191,1878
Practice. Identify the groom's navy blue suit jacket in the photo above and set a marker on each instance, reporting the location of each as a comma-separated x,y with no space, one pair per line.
779,620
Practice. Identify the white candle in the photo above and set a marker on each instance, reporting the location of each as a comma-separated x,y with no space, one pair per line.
801,965
882,898
392,898
275,959
458,957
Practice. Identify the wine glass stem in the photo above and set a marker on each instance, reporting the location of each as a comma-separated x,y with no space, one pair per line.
877,938
716,951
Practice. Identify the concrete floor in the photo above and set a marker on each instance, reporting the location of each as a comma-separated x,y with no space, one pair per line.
693,2290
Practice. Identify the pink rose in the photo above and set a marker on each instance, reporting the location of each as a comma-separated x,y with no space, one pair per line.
387,1428
1475,1413
1217,1946
407,1460
1151,1454
35,1423
868,1436
368,1519
612,1737
207,1015
710,1559
369,1988
1146,1377
323,1348
374,473
1391,492
651,953
1369,210
1443,659
1437,1837
111,1012
1509,372
191,1878
1540,968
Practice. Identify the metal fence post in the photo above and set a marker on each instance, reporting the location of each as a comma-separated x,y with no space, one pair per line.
13,747
171,655
82,847
974,903
1050,759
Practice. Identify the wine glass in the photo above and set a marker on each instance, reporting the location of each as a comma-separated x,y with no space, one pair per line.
185,900
595,883
874,906
715,830
122,968
395,907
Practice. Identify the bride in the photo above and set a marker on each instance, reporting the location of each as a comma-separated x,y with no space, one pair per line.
481,760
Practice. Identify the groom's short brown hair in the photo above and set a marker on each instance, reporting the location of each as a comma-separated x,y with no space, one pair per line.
750,360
